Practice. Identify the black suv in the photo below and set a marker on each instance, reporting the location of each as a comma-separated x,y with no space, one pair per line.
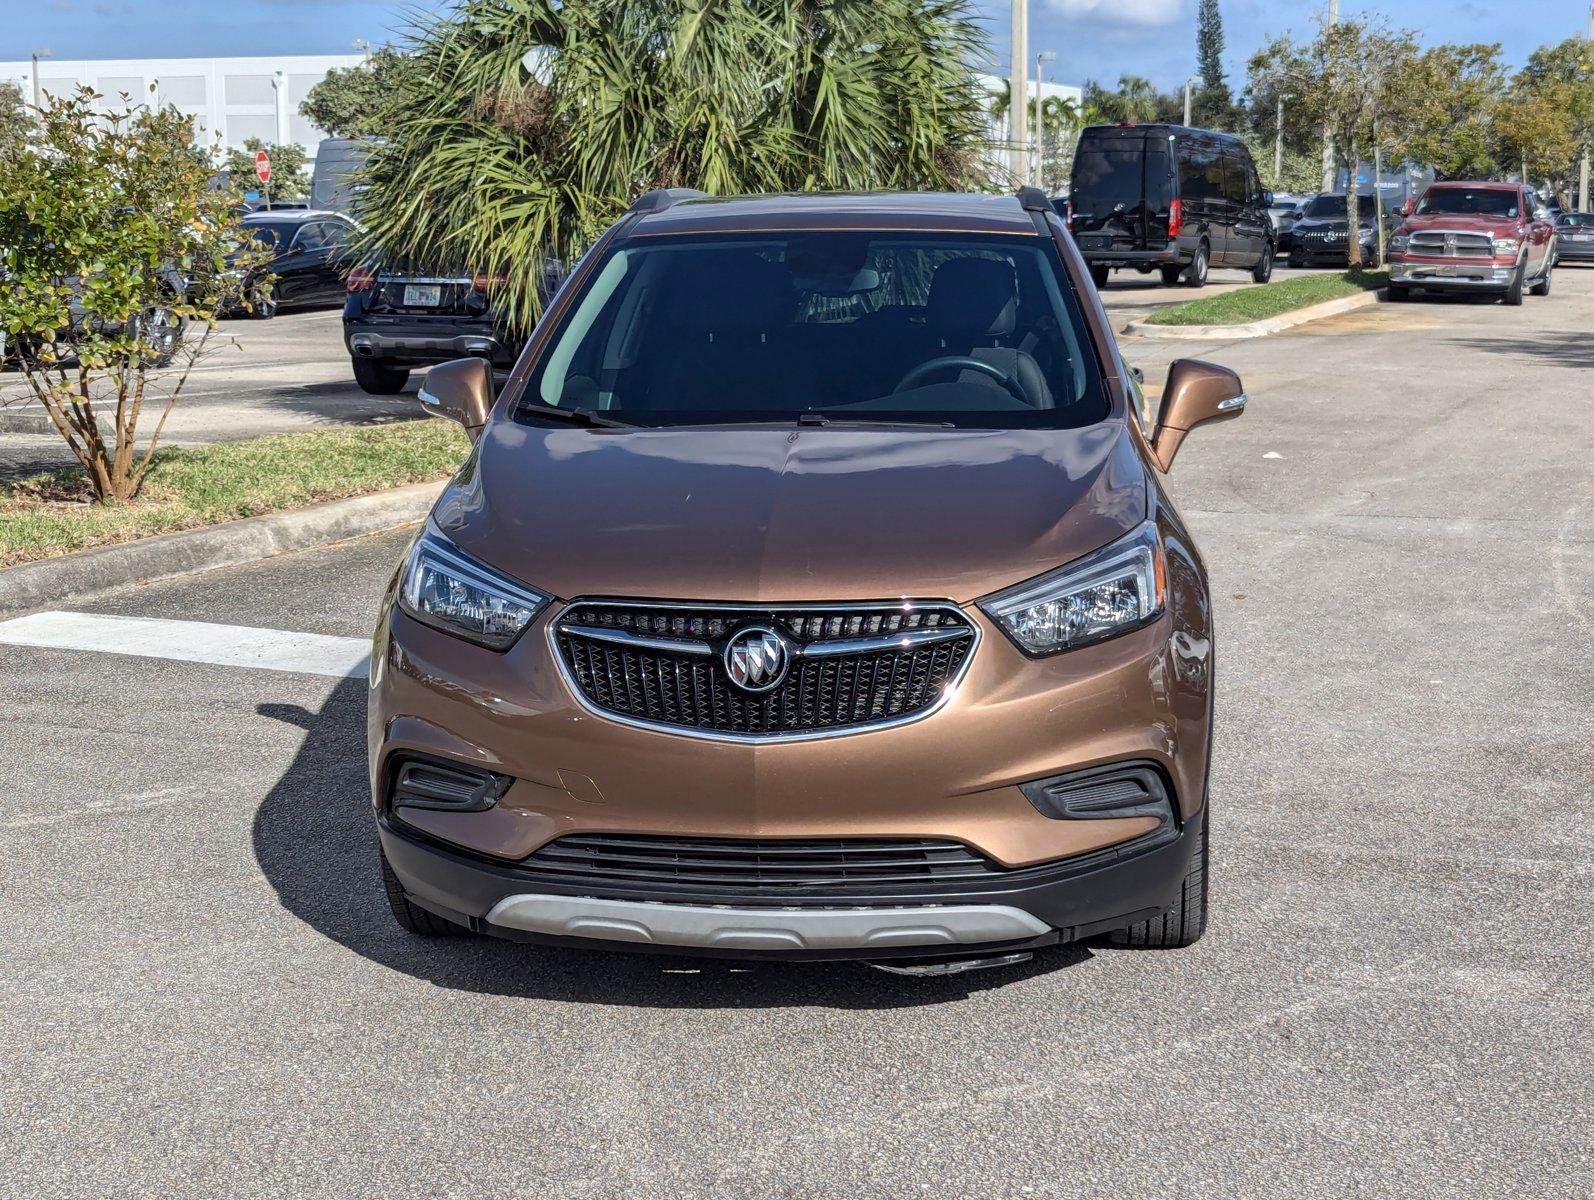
397,320
1171,199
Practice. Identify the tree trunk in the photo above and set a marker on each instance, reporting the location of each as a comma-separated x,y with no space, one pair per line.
1353,238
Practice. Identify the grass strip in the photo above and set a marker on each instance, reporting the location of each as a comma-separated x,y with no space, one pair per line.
1268,300
48,514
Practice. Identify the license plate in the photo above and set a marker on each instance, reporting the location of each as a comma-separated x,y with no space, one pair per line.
423,295
1581,237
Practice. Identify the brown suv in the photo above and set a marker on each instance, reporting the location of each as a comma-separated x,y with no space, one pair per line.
1476,237
811,591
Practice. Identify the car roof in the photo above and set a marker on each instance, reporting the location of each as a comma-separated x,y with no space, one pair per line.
946,211
285,215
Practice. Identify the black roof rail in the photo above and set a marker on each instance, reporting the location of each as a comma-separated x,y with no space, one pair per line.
1032,199
661,198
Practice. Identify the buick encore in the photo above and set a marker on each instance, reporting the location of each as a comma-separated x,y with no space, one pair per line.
811,591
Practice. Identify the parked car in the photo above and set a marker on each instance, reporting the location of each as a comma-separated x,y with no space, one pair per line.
812,592
1321,238
1170,199
1574,237
1285,210
1481,237
312,252
397,319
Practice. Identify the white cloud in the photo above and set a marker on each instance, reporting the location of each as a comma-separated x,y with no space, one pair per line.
1120,12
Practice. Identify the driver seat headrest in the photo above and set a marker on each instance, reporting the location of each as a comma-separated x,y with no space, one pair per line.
973,298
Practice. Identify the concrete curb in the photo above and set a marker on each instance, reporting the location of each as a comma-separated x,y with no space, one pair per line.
1288,320
25,418
90,572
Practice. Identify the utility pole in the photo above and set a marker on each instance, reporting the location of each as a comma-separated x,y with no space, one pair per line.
1582,171
1017,118
37,55
1328,136
1278,141
1044,56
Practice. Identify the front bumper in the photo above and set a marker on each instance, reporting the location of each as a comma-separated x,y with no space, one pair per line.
1460,274
1041,906
957,775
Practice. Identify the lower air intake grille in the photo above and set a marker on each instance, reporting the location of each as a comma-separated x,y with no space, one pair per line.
765,864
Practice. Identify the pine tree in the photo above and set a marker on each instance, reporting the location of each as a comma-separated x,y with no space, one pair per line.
1209,45
1213,104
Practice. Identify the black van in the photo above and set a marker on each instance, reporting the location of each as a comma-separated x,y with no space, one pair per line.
1168,198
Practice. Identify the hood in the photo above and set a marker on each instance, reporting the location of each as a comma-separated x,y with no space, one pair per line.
773,514
1463,223
1331,224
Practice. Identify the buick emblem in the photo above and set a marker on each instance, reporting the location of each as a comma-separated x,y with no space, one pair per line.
756,659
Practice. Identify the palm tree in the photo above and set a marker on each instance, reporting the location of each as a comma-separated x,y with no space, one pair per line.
497,167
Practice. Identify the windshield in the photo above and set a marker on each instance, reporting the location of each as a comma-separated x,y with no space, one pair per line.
1582,220
1483,202
937,328
268,237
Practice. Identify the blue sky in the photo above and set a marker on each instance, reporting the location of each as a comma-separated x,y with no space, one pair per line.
1100,38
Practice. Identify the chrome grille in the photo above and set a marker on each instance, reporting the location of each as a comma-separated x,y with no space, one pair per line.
762,864
1438,244
851,666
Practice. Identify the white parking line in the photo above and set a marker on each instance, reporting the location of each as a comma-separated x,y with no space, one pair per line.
191,641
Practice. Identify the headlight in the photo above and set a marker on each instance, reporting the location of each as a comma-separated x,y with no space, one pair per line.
1506,246
1399,242
448,591
1114,590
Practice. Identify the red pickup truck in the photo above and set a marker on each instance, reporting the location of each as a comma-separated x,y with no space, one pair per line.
1476,237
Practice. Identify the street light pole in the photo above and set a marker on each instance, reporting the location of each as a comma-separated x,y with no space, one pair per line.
1044,56
37,55
1582,170
1017,118
1328,136
1278,142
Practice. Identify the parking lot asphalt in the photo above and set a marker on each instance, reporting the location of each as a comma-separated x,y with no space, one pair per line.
205,996
255,378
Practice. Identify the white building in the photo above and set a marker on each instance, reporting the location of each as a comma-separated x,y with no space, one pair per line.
230,99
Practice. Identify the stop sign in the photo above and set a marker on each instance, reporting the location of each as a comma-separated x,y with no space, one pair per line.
263,166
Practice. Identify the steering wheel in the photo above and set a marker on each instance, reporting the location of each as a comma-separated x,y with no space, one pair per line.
962,362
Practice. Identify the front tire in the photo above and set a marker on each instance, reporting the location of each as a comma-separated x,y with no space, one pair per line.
1263,271
1195,274
1397,293
376,378
1512,297
262,302
1186,921
412,917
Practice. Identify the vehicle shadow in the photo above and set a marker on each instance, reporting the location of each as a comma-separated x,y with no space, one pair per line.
314,840
1568,348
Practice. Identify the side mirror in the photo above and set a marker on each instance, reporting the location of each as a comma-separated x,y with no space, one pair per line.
461,390
1196,392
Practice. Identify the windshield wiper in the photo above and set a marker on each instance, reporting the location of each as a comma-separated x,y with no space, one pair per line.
819,418
577,416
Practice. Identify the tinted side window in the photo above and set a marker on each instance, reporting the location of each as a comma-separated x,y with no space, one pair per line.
1233,180
1200,171
310,237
